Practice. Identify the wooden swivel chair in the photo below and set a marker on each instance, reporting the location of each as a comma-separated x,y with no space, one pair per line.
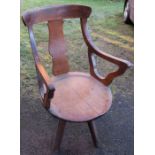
71,96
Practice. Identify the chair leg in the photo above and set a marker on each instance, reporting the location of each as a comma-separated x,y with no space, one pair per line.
59,135
93,131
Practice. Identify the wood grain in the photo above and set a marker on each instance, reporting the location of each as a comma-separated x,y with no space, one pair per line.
57,47
57,12
79,97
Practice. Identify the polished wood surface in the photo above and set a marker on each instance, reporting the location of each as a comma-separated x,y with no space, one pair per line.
79,97
57,12
71,96
57,47
92,49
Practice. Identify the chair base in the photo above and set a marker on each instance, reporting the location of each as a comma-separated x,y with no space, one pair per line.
60,133
93,131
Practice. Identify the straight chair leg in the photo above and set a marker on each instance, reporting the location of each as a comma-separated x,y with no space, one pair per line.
93,131
59,135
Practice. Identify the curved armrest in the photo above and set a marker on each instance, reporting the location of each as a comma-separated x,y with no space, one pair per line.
92,49
45,84
45,79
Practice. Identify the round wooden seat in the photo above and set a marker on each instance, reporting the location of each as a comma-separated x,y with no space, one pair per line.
79,97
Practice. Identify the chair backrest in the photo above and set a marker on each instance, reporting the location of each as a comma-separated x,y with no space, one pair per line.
54,15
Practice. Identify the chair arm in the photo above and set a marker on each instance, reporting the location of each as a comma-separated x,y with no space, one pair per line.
109,78
92,49
45,79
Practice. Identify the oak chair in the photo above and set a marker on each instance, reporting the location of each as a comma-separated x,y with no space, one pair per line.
71,96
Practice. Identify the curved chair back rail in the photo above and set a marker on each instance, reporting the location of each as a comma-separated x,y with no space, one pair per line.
55,13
